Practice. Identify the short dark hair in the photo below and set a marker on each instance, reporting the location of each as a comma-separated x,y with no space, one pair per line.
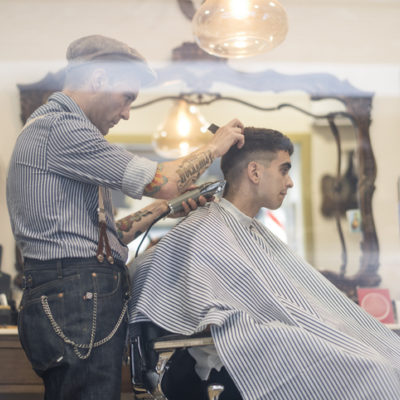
258,141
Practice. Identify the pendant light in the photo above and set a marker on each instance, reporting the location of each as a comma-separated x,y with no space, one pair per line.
184,131
239,28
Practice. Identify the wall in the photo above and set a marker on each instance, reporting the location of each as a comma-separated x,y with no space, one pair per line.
324,36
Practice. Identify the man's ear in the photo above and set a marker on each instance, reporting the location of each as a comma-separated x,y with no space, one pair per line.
98,79
253,171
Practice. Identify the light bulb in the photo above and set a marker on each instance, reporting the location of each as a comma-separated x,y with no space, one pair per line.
239,28
183,131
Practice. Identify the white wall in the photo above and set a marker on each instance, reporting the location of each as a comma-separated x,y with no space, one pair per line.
357,40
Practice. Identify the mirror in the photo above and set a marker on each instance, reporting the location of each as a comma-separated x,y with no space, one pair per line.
289,223
270,98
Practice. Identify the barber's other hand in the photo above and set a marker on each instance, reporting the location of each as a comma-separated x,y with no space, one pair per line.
227,136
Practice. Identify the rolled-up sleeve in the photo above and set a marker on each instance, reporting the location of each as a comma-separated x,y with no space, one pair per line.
138,174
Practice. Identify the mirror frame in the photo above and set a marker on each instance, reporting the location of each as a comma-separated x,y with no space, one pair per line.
199,71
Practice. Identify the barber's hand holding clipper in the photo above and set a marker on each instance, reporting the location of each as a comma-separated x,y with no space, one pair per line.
133,225
198,193
188,205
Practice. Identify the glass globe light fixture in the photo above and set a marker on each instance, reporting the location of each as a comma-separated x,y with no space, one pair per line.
239,28
184,131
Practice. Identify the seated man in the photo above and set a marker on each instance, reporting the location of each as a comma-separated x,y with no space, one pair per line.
281,330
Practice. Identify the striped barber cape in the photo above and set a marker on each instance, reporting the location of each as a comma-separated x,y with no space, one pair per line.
280,328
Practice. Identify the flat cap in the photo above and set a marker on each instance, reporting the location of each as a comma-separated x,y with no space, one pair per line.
102,48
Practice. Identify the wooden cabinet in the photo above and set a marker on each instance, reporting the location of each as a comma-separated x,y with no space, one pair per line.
16,374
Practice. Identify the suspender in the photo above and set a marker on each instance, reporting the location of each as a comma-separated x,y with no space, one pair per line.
103,239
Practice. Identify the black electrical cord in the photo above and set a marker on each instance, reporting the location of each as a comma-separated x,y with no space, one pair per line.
148,230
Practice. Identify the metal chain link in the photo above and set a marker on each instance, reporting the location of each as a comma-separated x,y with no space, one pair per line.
92,344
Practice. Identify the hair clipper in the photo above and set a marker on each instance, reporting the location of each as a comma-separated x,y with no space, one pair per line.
207,190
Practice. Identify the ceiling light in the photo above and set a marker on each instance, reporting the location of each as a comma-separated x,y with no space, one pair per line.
239,28
184,131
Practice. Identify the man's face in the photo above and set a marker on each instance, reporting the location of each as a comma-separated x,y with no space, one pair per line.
275,180
113,102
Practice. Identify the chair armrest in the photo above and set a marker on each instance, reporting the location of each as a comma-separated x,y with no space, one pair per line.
170,342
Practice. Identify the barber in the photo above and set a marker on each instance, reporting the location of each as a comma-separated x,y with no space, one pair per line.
72,316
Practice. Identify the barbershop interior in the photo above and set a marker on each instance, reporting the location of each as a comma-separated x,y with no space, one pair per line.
325,73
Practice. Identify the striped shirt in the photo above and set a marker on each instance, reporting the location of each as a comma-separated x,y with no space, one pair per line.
280,328
59,162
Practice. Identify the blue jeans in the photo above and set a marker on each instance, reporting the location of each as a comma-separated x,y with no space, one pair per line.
66,304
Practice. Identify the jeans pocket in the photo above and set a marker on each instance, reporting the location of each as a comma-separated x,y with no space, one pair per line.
92,305
43,347
106,283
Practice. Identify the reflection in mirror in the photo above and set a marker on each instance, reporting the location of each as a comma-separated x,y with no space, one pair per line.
293,97
289,223
340,132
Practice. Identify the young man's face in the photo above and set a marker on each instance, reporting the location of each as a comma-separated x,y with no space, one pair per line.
113,103
275,181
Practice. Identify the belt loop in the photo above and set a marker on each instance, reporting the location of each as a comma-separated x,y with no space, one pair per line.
59,269
27,281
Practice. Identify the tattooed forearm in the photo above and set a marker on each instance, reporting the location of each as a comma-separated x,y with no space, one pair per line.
157,183
124,225
190,169
174,177
134,236
137,234
133,225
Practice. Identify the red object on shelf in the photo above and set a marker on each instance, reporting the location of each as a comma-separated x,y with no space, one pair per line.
377,302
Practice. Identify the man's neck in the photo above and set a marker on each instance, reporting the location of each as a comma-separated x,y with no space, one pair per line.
82,99
242,200
73,95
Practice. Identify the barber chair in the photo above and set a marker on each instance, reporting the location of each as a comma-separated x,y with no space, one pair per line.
152,352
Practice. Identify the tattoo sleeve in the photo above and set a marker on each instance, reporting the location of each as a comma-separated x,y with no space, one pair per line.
187,170
157,183
124,225
190,169
133,225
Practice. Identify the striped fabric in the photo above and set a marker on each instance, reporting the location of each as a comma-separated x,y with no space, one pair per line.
52,187
280,328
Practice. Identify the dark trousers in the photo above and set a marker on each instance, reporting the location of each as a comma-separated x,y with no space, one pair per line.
181,381
66,304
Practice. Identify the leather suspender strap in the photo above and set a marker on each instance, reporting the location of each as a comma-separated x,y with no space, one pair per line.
103,239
